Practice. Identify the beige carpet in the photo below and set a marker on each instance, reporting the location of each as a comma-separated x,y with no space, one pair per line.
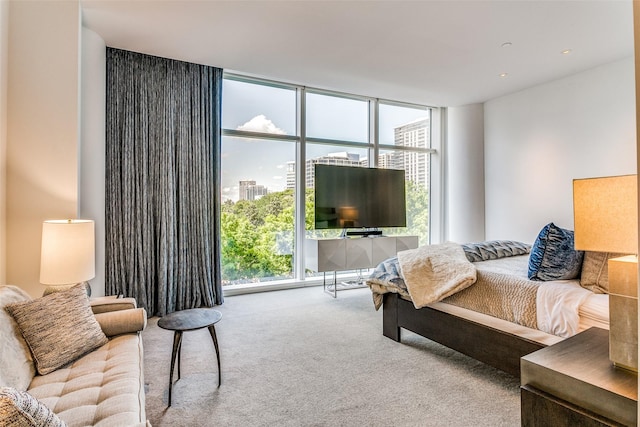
301,358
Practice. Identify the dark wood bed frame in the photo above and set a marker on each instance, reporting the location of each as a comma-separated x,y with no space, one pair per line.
492,346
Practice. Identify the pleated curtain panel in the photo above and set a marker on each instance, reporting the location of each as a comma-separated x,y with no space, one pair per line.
163,182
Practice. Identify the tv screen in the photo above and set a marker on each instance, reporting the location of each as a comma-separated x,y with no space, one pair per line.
354,197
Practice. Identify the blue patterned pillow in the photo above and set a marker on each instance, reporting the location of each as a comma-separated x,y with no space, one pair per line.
553,256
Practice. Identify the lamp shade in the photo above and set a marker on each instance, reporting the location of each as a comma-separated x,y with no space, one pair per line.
605,214
68,252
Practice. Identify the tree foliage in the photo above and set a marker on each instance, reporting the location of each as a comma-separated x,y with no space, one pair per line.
257,237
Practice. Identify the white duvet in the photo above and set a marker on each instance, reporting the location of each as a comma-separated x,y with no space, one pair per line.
558,306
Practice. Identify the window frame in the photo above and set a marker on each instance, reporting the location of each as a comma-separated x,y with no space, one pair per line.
372,146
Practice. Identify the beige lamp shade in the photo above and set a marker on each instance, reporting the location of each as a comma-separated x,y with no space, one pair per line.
68,252
606,214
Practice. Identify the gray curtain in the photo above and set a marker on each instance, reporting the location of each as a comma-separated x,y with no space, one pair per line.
163,182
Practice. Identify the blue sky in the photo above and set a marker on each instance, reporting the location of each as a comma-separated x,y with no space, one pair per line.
273,110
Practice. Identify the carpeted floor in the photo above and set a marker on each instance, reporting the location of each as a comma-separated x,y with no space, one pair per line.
301,358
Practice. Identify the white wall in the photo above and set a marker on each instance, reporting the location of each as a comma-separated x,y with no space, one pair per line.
92,147
42,129
4,71
465,174
540,139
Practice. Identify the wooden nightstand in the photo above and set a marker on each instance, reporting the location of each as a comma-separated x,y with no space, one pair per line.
573,383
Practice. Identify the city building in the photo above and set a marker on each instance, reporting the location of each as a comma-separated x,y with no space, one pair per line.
415,134
249,190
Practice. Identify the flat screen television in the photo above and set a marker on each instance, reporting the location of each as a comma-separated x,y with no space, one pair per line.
355,197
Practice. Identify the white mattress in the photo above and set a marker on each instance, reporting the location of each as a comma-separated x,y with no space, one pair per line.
595,312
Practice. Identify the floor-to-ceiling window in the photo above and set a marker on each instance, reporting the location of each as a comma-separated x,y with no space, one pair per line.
273,135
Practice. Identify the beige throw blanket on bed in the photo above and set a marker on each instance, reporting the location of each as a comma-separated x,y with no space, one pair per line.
434,272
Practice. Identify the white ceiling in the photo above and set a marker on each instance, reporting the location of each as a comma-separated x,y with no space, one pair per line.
441,53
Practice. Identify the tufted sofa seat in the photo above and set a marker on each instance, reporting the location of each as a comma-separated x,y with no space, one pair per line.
103,388
106,386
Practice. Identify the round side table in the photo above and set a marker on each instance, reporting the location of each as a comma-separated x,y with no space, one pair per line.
190,320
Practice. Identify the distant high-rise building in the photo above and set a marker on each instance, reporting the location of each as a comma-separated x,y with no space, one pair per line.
291,175
416,165
388,161
339,159
415,134
249,190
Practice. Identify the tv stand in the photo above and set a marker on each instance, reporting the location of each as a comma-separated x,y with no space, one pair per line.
324,255
363,233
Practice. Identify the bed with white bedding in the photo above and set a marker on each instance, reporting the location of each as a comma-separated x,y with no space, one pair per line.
491,310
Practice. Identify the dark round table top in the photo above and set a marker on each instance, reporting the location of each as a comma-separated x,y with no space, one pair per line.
189,320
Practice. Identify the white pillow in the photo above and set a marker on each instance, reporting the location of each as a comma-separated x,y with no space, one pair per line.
17,368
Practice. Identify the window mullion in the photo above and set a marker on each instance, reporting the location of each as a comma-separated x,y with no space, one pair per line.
374,141
300,191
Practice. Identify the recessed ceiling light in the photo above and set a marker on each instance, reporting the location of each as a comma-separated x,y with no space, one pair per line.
566,52
506,44
503,74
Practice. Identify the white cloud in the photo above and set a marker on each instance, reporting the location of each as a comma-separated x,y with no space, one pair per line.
277,177
261,124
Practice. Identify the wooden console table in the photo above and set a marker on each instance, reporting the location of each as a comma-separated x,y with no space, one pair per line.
573,383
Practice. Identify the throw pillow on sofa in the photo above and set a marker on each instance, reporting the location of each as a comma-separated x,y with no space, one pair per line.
553,256
20,409
59,327
17,367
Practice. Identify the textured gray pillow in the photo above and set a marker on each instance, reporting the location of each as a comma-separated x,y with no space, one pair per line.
20,409
59,327
595,271
494,249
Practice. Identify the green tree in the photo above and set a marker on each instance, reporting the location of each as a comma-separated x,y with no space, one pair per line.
250,234
257,236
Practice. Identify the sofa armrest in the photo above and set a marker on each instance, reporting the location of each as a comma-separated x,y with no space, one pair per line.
111,303
123,321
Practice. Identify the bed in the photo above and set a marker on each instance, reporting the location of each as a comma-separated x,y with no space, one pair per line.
491,310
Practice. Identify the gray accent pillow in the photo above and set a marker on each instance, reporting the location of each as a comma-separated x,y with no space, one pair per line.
553,256
494,249
59,327
20,409
595,271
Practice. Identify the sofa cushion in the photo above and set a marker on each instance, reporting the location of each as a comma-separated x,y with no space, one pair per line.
102,388
20,409
122,322
553,256
59,327
17,367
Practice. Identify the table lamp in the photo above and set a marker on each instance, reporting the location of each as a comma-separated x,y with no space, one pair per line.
68,254
606,220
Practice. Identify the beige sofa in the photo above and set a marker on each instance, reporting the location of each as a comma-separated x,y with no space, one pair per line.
104,387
